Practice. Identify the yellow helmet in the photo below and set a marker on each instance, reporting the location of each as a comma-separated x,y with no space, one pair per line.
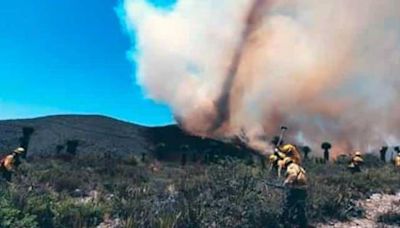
286,148
273,158
358,153
19,150
287,161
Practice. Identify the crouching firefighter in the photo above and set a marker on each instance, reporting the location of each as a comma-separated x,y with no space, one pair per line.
294,211
8,163
356,162
288,150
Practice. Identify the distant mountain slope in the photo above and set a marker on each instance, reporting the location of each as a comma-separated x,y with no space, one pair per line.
94,133
104,135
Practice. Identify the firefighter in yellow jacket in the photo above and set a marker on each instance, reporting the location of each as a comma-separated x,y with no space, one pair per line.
294,212
7,164
276,164
289,150
356,162
397,160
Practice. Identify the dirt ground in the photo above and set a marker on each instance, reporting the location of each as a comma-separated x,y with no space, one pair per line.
375,206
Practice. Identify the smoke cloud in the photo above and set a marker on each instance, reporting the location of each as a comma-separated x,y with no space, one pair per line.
329,70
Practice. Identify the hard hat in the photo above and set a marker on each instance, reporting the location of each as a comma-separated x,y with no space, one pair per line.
358,153
286,148
273,157
287,161
19,150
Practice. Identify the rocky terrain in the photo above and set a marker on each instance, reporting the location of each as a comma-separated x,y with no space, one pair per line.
376,206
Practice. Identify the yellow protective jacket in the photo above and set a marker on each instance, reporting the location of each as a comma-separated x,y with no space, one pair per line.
295,176
290,151
273,165
8,162
356,161
397,161
281,165
276,163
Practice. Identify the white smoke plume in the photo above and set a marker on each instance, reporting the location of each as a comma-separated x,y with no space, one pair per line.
330,70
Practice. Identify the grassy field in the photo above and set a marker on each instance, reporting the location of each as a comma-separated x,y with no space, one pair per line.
85,191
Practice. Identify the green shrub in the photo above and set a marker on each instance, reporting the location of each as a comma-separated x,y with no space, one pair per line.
70,214
40,206
11,216
224,194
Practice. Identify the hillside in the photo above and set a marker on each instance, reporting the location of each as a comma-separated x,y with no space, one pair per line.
53,135
107,191
94,134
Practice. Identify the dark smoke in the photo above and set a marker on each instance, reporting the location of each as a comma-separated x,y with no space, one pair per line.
222,104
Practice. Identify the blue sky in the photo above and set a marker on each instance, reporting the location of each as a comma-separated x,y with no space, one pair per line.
69,56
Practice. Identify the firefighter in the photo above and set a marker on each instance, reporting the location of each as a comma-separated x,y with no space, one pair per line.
397,160
289,150
8,163
273,161
276,164
294,212
356,162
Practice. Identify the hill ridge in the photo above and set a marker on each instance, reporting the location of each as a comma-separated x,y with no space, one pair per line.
106,135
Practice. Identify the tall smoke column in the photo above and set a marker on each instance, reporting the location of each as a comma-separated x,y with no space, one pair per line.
327,69
253,19
182,62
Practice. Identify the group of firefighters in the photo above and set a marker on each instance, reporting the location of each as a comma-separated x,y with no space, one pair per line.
284,158
287,157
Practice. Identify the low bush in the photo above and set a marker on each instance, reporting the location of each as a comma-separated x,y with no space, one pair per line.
228,193
10,215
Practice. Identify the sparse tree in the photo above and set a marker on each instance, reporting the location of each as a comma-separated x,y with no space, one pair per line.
72,146
143,157
25,139
59,148
183,159
306,150
383,153
326,146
